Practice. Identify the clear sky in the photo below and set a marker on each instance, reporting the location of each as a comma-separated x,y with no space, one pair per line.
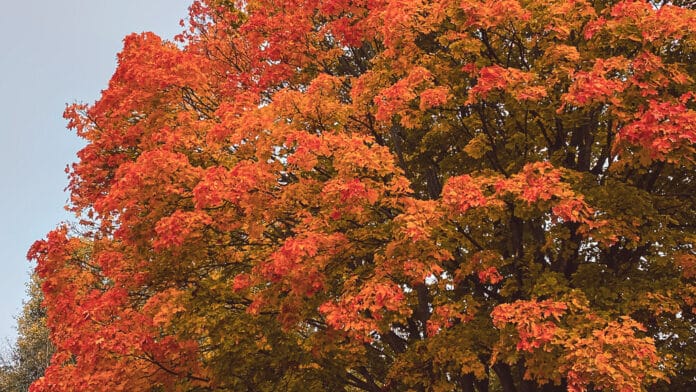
52,53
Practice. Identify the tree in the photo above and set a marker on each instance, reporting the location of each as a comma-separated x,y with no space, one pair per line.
29,356
471,195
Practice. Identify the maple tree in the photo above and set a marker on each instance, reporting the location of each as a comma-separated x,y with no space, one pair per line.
385,195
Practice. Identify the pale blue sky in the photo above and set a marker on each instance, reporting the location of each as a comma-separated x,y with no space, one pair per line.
52,52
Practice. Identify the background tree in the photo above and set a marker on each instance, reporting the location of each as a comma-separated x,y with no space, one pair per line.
490,195
30,355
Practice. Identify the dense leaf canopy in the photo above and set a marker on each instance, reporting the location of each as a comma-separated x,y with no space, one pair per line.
385,195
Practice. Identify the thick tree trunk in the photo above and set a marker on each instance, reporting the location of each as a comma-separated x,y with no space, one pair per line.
504,374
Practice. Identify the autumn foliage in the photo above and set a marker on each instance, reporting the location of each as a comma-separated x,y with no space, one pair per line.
385,195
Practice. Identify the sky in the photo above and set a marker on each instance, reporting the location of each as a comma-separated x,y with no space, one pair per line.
53,52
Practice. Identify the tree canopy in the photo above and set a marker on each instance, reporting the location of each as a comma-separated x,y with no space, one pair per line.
385,195
27,359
